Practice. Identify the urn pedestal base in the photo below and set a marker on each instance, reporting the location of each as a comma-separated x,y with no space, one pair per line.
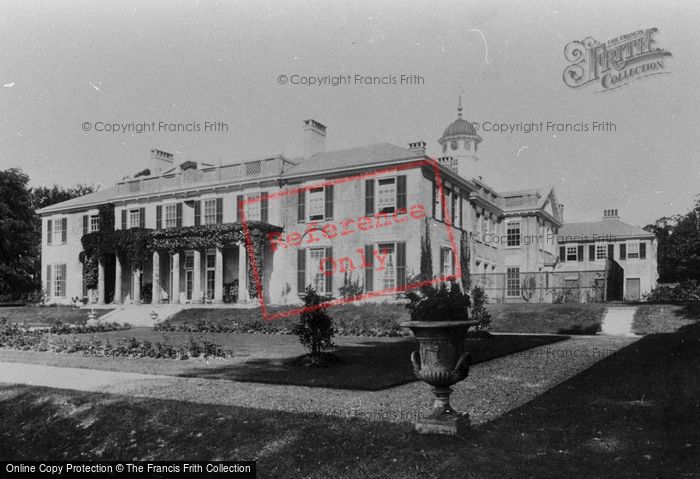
442,418
455,424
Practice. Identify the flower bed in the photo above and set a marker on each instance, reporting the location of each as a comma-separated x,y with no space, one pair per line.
73,339
348,320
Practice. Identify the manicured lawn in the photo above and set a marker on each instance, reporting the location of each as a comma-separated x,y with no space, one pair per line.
540,318
632,414
367,363
664,318
48,315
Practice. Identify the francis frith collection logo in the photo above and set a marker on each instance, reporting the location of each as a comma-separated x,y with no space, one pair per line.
614,63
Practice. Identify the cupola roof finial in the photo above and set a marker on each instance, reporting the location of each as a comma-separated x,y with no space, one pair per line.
459,107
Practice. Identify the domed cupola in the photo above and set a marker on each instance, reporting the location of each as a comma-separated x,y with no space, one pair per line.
461,142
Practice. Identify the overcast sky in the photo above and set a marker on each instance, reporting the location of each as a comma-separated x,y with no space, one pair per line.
69,62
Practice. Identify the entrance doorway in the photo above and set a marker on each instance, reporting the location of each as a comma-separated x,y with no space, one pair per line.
632,289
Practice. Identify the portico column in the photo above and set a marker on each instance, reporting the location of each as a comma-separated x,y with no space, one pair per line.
101,281
197,280
137,286
175,278
117,281
219,276
155,296
243,295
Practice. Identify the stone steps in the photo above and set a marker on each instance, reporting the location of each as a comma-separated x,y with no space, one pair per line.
141,315
618,321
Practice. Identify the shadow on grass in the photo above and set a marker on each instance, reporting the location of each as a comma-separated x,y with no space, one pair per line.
633,414
578,329
368,366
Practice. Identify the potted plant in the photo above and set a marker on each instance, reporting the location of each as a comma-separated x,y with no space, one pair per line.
439,321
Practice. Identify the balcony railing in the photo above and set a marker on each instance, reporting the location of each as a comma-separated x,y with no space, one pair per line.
209,175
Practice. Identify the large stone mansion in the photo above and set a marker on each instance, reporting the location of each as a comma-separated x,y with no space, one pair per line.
182,233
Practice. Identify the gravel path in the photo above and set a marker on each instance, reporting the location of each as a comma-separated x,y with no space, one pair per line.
492,388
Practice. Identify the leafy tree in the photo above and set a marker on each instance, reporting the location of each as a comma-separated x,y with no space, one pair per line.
18,235
315,327
20,229
479,311
678,250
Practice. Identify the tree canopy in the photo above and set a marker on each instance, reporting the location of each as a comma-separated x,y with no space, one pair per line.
18,235
20,229
678,249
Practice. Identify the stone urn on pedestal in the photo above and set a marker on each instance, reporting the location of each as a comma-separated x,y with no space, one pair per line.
439,322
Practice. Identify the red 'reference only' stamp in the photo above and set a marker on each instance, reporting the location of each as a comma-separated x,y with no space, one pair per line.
346,229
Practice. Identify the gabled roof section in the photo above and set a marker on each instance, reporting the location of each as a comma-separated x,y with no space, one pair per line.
574,232
542,200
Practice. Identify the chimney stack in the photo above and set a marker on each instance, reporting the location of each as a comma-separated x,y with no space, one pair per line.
160,161
449,161
610,214
314,138
417,147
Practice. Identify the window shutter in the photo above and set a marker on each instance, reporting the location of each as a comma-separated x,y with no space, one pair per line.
611,251
329,270
123,219
86,220
328,190
159,217
219,211
442,262
142,218
580,252
642,251
48,280
369,197
301,206
401,265
301,270
461,211
591,252
562,253
64,230
197,213
453,210
239,208
263,207
49,232
401,192
178,214
623,250
369,271
434,201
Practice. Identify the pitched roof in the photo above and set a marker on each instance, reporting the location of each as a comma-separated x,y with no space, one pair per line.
92,199
605,228
357,156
